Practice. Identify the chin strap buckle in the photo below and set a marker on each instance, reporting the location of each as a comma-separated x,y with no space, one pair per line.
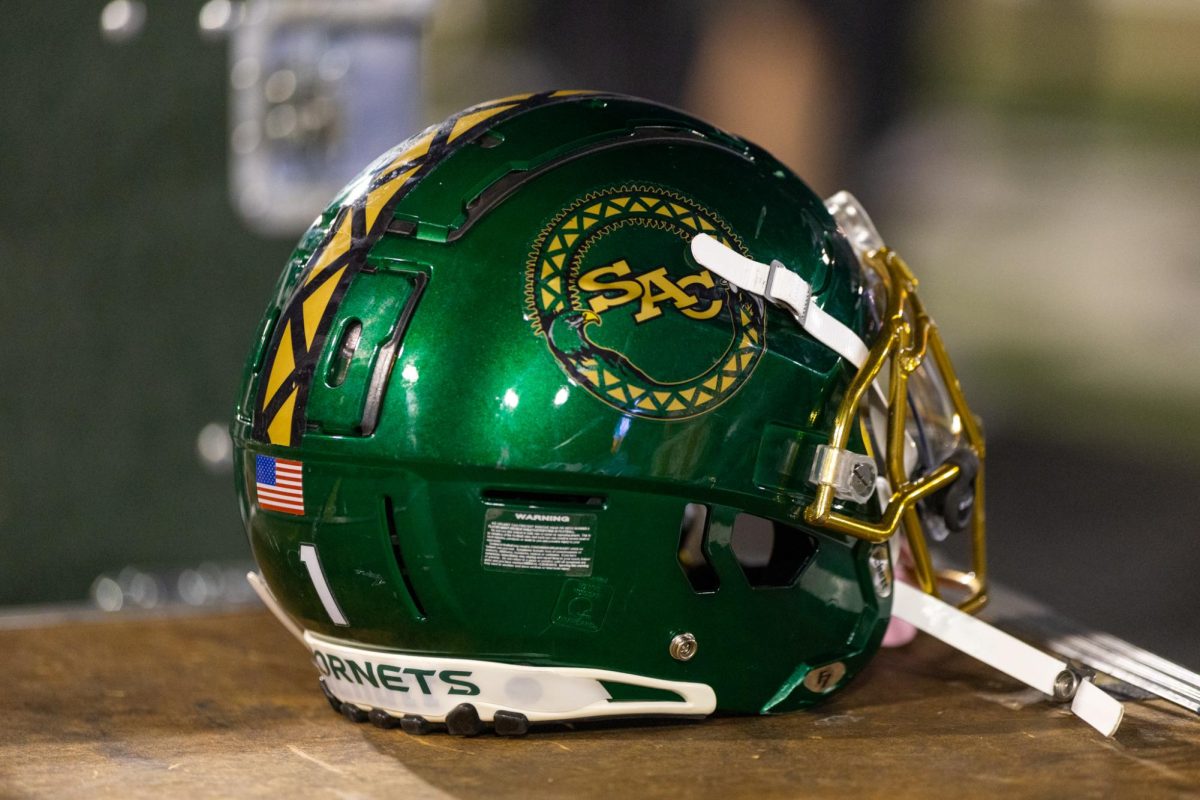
778,284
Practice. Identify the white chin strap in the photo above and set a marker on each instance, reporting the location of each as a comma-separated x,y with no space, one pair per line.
780,285
1008,654
990,645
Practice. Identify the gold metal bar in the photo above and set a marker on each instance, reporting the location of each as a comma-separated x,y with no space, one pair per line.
922,563
908,336
897,409
900,502
847,414
977,596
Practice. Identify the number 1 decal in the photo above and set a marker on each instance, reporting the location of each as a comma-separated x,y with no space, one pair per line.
308,555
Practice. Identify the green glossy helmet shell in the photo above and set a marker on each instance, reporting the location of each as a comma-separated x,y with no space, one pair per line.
500,413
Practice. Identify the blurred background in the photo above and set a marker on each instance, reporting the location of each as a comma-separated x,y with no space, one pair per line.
1036,161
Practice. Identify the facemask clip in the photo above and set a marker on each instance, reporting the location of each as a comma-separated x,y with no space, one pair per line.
852,475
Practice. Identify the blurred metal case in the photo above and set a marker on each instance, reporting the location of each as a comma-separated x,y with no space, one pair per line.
317,88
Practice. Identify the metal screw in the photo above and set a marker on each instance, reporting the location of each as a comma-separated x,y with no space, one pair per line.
1065,685
683,647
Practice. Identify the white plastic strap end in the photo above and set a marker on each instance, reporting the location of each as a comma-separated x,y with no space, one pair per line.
1097,708
745,273
1006,653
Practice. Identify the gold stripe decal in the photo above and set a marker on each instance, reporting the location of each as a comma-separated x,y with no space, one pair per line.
284,363
281,426
315,304
308,314
469,121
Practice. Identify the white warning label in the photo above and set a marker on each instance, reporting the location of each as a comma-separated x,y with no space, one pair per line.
538,540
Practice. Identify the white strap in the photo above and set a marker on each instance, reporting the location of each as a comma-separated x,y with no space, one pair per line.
1095,707
1006,653
780,285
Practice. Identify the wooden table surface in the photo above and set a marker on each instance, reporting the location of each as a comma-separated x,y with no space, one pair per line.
228,706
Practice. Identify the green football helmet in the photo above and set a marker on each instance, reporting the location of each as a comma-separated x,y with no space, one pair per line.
575,406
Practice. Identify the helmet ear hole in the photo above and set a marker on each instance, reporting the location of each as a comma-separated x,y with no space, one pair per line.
770,553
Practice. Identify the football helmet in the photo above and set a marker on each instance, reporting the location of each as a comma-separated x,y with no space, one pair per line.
575,406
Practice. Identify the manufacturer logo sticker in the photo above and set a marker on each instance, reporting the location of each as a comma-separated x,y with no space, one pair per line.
627,314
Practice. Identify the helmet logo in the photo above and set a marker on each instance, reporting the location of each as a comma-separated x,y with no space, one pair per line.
628,315
650,288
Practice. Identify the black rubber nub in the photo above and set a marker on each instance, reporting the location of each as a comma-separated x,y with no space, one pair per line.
956,503
417,726
464,720
353,713
382,719
510,723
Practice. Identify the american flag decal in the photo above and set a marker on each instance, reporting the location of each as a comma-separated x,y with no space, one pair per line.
279,484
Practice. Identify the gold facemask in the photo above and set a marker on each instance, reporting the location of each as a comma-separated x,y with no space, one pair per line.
924,460
925,412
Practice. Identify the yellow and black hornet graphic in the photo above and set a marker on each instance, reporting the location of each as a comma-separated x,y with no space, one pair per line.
624,311
303,324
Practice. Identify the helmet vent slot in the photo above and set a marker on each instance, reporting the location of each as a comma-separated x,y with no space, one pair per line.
520,497
347,347
410,595
693,550
770,553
